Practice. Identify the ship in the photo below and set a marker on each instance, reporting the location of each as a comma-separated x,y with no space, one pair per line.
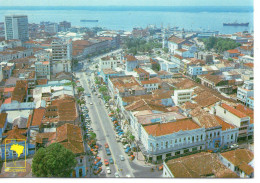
236,24
88,20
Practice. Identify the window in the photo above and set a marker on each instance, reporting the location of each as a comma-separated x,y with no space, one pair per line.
161,144
166,144
193,139
171,142
214,134
218,133
231,136
210,135
201,137
179,139
80,160
225,111
175,140
157,145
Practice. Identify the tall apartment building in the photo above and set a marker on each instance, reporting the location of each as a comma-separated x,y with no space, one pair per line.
16,27
61,50
61,56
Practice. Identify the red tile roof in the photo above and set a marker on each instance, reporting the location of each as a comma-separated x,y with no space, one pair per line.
225,125
3,117
233,111
171,127
176,39
130,58
233,51
240,158
9,89
178,56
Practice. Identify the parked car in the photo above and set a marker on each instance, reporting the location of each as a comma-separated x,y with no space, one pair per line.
98,171
111,161
132,157
106,162
117,175
234,146
160,168
127,149
108,170
108,151
106,145
127,145
122,158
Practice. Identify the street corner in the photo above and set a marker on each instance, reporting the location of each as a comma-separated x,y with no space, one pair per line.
26,172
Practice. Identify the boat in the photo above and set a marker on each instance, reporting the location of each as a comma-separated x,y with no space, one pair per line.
88,20
236,24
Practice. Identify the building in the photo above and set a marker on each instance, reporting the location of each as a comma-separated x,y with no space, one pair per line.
61,56
200,165
240,161
61,50
108,62
70,136
106,73
231,53
51,28
142,74
162,140
182,96
194,70
245,92
42,70
151,84
131,62
16,27
175,43
235,117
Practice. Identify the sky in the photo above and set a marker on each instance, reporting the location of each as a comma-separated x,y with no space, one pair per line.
126,2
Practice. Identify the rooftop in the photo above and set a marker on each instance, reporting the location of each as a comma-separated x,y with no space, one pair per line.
199,165
233,110
240,158
171,127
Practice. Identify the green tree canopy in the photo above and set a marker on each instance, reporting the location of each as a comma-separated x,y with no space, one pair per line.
220,44
53,161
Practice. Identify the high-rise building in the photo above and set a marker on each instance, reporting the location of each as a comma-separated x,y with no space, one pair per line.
16,27
61,50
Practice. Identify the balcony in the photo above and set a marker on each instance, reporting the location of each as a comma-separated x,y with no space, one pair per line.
175,147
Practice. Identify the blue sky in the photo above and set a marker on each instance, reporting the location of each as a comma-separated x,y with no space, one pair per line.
126,2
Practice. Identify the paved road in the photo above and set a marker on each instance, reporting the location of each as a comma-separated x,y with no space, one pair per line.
103,127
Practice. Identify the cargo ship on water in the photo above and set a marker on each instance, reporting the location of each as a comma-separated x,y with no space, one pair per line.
88,20
236,24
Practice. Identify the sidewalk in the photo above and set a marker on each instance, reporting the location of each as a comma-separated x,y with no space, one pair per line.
140,160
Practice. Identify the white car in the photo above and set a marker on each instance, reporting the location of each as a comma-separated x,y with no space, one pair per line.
234,146
127,145
122,158
91,103
128,175
117,175
108,170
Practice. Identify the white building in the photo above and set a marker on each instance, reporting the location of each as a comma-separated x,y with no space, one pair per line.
42,69
108,63
239,161
151,84
162,140
246,91
182,96
61,50
16,27
234,117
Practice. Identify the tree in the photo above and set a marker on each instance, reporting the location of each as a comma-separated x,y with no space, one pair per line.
107,98
156,67
103,89
166,50
92,135
80,89
53,161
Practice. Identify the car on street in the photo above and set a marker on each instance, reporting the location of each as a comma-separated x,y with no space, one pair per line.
108,170
234,146
122,158
106,145
117,175
127,145
90,103
111,161
98,171
106,162
108,151
128,175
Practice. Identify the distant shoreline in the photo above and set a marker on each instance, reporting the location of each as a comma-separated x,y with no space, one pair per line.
195,9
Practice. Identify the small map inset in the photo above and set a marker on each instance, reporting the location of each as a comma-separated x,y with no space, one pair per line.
18,149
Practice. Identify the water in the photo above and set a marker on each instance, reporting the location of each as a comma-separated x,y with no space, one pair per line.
126,18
